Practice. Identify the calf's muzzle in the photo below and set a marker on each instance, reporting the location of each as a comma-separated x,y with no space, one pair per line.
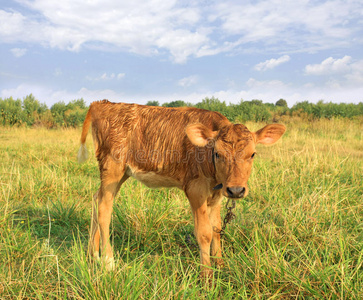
235,191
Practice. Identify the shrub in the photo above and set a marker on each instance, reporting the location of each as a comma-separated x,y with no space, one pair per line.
153,103
177,103
11,111
31,112
281,102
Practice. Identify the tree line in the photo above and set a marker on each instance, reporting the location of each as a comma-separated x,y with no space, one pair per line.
258,111
30,112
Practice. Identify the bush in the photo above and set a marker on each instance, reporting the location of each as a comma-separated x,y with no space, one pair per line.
75,117
177,103
214,104
11,111
33,109
253,110
281,102
328,110
58,110
153,103
70,115
31,112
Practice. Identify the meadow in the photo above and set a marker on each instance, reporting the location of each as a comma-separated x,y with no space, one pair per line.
298,234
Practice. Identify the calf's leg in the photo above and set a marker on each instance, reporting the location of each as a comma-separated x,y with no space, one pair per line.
94,242
216,223
111,181
203,234
202,226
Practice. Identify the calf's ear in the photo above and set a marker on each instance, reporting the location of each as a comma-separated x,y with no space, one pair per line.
199,134
269,134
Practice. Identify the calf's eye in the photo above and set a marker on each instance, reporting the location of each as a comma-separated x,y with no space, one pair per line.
253,155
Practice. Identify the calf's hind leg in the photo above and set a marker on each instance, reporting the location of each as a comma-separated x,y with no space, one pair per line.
111,181
94,241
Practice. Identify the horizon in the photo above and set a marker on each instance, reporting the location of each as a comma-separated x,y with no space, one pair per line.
185,102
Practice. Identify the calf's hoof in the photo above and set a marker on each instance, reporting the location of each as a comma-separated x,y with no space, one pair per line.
109,263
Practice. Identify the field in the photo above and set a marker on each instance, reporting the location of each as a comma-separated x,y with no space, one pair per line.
298,235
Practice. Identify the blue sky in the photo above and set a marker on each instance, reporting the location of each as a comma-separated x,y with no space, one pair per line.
141,50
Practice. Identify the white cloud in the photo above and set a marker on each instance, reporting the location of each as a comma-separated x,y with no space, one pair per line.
329,66
15,27
264,84
346,71
291,94
272,63
50,96
185,29
182,43
18,52
23,90
106,77
188,81
268,91
143,27
11,26
296,26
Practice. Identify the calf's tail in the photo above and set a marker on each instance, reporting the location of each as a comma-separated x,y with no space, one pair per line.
83,152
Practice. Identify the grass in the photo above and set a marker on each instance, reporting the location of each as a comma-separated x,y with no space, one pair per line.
298,235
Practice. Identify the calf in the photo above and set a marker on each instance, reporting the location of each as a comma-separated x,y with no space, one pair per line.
195,150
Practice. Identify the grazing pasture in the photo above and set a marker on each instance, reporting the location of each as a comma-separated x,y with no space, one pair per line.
298,234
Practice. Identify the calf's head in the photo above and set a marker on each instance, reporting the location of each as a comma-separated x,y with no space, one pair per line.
233,148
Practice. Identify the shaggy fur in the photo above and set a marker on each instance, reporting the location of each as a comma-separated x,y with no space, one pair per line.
188,148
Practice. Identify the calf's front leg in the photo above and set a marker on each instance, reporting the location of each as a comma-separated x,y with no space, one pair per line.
203,234
197,195
216,223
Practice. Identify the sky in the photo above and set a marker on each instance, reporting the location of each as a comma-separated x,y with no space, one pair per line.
166,50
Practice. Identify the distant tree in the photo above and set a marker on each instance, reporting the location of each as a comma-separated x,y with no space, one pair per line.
31,112
213,104
177,103
58,109
304,106
281,102
30,105
270,106
75,117
253,110
80,103
33,109
153,103
256,102
11,111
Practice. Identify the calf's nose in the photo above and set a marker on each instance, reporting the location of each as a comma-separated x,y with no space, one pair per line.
236,191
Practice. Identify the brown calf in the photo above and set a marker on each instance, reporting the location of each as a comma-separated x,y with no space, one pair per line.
192,149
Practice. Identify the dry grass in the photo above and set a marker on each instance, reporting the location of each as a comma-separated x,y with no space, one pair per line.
298,235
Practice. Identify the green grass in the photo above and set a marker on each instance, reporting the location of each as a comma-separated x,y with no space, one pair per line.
299,234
